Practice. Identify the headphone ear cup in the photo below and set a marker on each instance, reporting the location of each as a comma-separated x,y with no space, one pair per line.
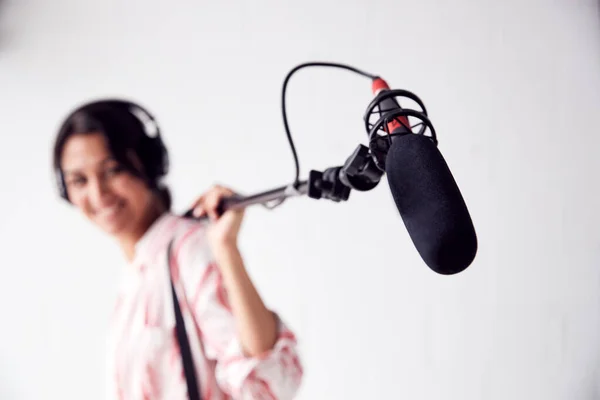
62,188
155,158
162,160
157,164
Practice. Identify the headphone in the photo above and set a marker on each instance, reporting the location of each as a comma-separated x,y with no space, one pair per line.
154,151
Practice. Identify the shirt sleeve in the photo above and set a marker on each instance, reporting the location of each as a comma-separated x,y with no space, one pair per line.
274,375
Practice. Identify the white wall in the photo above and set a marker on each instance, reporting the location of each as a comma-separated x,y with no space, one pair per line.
513,88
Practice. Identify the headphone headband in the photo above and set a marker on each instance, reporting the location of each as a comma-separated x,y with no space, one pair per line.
142,114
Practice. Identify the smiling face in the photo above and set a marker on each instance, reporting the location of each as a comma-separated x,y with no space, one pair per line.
106,193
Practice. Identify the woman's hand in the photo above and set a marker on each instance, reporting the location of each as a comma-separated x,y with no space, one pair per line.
224,229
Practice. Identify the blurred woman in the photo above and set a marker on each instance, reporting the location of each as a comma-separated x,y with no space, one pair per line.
110,159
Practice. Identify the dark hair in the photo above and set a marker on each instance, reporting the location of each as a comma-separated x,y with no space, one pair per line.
125,126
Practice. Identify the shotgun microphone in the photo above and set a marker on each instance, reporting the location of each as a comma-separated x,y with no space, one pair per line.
423,188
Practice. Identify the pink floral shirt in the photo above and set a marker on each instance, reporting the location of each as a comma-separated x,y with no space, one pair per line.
144,358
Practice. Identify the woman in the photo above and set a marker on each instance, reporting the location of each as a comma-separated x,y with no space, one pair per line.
110,159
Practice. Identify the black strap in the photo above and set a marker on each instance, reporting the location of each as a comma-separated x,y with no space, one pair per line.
184,345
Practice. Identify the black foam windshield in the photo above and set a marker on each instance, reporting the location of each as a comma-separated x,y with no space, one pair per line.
430,204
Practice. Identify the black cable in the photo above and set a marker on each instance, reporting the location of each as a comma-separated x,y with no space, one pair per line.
285,122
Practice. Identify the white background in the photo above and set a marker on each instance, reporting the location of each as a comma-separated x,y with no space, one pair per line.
513,88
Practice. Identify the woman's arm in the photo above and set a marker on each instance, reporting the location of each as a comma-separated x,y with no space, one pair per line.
255,352
256,325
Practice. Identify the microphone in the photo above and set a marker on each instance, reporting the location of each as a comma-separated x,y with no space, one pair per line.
424,191
423,188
